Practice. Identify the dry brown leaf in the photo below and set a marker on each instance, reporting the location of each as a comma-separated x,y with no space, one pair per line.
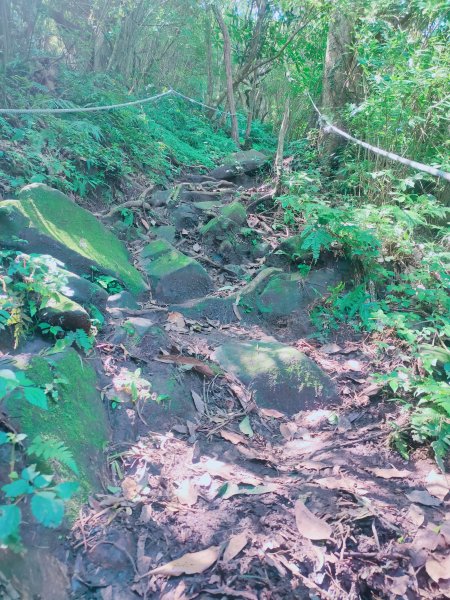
187,493
271,412
415,515
422,497
399,585
196,364
231,436
391,473
198,402
235,545
438,568
226,471
288,430
189,564
348,484
176,320
331,349
310,526
234,490
130,488
437,484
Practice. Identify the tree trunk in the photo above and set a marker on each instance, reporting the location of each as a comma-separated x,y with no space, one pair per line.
4,33
228,72
336,76
280,147
209,68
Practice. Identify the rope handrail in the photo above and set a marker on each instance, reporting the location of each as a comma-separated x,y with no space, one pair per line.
327,127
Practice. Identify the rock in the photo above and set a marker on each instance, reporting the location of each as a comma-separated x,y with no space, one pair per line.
45,221
165,232
185,217
160,198
36,573
280,297
75,288
138,326
281,377
225,227
174,277
122,300
214,308
239,163
61,311
78,418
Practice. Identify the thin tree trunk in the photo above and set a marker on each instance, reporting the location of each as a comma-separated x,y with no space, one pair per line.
228,72
280,148
5,41
338,64
209,58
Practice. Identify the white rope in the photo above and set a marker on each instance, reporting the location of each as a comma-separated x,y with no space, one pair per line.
15,111
404,161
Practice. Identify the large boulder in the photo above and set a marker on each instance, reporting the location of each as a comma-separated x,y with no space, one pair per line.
78,418
75,288
239,163
64,313
280,376
174,277
45,221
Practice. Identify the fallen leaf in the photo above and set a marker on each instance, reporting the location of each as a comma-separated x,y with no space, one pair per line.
288,430
426,539
391,473
145,224
348,484
245,426
190,563
233,489
196,364
232,437
438,569
310,526
271,412
444,530
187,493
130,488
331,349
176,319
354,365
415,515
423,497
226,471
235,545
437,484
399,585
198,402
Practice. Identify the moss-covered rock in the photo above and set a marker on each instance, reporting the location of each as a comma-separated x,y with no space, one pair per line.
234,211
174,277
43,220
281,376
78,418
238,163
65,313
165,232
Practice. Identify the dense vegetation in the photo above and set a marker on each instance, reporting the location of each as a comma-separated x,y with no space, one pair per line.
378,69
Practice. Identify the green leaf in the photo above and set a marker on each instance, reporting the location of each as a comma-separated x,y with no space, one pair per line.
10,518
245,426
36,396
17,488
4,439
53,449
47,509
66,490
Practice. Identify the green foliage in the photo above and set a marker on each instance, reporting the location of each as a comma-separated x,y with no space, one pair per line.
93,151
34,488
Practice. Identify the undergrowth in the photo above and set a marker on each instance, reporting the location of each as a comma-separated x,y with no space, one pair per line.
85,152
399,292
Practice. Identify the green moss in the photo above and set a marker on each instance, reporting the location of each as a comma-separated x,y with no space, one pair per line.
168,263
156,249
234,211
56,216
77,419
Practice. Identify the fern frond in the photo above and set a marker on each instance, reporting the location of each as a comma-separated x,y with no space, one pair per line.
50,448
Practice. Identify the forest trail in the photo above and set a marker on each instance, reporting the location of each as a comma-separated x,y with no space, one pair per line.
217,489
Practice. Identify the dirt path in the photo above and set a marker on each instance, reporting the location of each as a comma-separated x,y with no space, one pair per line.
208,495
